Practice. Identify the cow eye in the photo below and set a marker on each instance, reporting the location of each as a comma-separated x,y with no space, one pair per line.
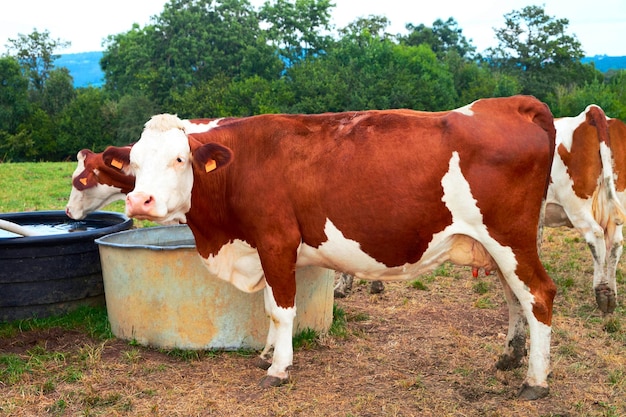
179,159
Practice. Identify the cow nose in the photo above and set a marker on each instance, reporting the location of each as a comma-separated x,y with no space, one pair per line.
138,203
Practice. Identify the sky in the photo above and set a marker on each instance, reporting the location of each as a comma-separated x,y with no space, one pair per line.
599,27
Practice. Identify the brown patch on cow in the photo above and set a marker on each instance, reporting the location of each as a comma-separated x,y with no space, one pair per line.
583,161
617,132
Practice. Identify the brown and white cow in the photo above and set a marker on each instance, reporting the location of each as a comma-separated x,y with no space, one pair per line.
96,182
378,194
582,194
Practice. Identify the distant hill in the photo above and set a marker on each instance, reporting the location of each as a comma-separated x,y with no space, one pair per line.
85,68
605,63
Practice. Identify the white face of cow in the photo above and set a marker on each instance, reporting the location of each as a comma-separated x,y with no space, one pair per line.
91,198
161,163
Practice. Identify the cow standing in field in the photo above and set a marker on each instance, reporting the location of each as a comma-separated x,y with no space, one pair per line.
582,192
378,194
96,182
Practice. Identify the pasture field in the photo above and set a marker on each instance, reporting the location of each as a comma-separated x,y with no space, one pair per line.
421,348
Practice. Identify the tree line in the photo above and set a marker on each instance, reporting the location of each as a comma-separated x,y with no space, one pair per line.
217,58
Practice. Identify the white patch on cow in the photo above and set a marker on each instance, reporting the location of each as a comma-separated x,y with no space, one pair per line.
237,263
344,254
539,355
565,127
466,110
200,127
279,336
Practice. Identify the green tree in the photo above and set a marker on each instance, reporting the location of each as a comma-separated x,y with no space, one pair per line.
190,42
366,69
128,65
35,53
572,101
131,112
85,123
442,37
14,103
294,28
534,48
58,91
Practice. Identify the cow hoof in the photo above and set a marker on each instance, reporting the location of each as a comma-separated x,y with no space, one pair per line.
377,287
605,298
507,363
269,381
338,293
262,363
527,392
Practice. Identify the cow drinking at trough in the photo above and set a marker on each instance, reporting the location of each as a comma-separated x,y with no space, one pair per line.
582,193
378,194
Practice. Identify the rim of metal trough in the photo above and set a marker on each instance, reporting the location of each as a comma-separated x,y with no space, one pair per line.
153,238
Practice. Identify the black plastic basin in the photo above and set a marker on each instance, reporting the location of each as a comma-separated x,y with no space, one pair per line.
54,273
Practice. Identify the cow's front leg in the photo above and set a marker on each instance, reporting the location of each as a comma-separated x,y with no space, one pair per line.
278,351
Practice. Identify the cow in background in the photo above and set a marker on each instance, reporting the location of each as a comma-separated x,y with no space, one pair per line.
380,195
582,193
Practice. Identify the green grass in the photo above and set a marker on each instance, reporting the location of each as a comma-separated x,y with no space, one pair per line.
38,186
35,186
92,320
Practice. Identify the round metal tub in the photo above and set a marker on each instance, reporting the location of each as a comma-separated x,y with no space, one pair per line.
159,293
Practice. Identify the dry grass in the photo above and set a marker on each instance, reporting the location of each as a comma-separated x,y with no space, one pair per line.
413,350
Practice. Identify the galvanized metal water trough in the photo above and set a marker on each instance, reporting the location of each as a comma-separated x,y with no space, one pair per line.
158,293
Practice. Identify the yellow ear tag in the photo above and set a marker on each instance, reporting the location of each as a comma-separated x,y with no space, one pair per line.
210,165
83,181
117,164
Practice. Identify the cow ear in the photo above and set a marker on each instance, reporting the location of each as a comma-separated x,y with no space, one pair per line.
82,154
211,156
117,157
86,179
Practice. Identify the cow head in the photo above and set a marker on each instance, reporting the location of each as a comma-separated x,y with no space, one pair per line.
96,183
163,164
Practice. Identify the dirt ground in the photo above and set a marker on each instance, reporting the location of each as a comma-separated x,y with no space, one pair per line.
416,349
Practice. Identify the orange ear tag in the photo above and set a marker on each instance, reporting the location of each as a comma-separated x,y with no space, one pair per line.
210,165
117,164
83,181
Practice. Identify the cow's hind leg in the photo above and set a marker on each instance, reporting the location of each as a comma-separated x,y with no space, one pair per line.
515,345
606,291
264,360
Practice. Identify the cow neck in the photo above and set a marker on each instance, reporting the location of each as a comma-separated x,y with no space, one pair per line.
209,219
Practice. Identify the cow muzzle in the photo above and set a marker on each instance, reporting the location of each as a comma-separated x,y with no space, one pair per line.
141,205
